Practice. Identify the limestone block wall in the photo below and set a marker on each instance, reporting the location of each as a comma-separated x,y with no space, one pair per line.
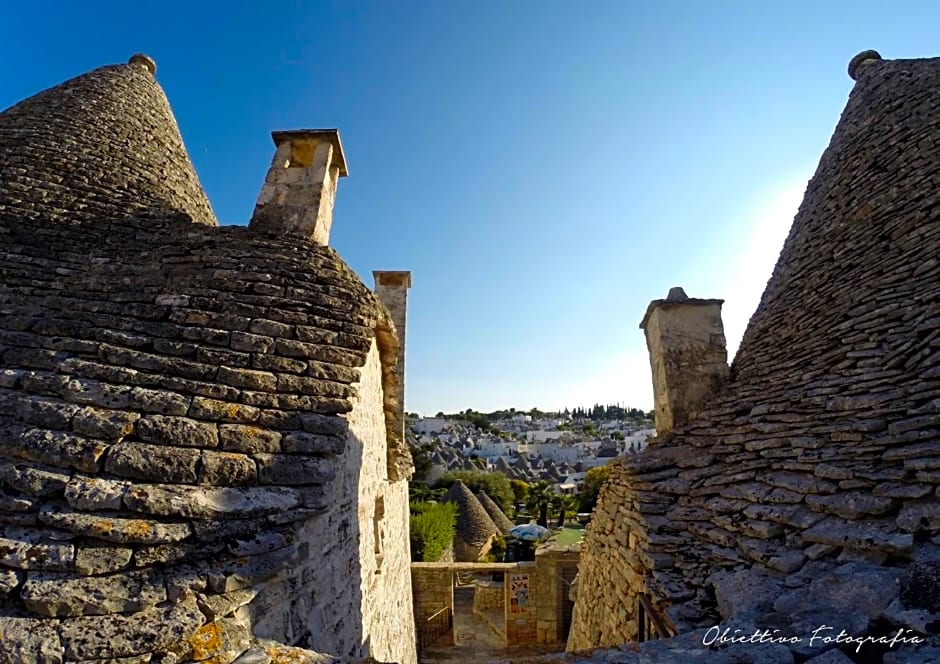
551,590
347,596
531,594
432,587
391,287
488,595
384,543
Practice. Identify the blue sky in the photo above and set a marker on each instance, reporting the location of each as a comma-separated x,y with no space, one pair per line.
544,169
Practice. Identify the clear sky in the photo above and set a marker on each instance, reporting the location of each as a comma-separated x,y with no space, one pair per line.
545,169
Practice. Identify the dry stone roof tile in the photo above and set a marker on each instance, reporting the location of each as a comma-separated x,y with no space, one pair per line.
103,145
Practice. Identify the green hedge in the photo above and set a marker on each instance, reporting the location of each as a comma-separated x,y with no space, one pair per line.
432,530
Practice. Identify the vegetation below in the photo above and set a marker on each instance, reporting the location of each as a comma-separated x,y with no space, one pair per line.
432,530
593,481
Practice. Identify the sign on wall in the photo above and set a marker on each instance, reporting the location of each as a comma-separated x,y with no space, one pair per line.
518,593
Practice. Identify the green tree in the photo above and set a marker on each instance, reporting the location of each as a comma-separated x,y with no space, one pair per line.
593,481
419,492
520,491
479,420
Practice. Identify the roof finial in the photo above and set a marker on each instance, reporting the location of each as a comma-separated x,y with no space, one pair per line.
860,59
144,61
676,294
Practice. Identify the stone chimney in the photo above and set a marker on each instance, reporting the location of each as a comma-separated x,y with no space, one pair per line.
299,190
688,356
391,287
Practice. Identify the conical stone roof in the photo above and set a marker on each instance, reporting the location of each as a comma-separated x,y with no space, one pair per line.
862,249
104,145
496,514
823,445
474,525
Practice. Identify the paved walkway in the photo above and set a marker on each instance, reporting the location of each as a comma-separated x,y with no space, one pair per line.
477,641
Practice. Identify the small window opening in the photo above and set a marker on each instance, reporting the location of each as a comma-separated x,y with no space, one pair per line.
301,154
378,526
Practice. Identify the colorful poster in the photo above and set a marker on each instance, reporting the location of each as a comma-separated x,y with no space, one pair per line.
518,593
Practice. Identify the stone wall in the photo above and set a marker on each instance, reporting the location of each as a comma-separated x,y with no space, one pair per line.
432,587
384,544
616,566
373,617
823,450
391,287
521,611
552,588
488,595
532,594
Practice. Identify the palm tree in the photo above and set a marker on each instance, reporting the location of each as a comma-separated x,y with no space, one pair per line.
563,504
541,495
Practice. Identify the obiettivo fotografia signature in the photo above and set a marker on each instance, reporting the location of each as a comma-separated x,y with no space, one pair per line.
822,635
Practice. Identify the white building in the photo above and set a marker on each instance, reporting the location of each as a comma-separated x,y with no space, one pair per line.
431,425
541,435
497,448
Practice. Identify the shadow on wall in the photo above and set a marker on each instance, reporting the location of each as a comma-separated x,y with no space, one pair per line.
348,589
315,600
